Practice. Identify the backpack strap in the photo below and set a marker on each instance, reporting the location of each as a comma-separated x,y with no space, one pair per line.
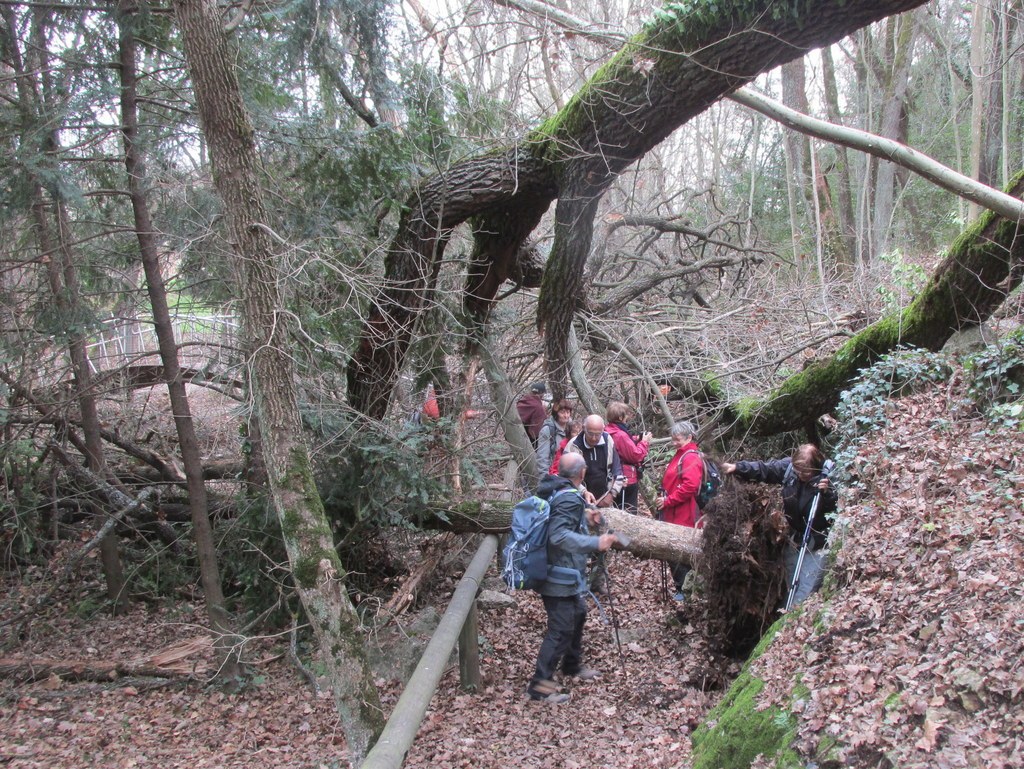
789,476
679,467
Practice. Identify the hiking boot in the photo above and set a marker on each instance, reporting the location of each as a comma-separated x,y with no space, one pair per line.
585,674
546,691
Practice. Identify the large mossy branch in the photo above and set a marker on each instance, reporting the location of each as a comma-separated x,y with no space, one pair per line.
981,268
685,59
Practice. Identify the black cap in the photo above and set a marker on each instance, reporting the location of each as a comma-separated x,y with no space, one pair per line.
538,387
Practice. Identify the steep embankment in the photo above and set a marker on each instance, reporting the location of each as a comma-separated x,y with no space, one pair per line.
912,655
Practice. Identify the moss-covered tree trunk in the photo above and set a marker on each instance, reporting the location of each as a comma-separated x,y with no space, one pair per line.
981,268
316,568
678,66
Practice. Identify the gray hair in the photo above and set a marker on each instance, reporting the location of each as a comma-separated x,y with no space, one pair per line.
570,465
683,428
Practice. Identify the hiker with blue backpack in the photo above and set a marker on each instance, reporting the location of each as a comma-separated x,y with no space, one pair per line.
805,490
677,502
569,542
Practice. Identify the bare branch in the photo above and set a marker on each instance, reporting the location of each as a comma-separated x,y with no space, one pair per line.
887,149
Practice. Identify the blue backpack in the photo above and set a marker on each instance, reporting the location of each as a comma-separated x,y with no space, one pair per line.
526,554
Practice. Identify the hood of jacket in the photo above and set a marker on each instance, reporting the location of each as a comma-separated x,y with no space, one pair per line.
549,484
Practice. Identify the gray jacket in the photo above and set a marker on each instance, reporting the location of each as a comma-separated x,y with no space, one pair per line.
551,436
569,539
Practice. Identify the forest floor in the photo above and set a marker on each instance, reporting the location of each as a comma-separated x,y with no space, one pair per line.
637,715
913,656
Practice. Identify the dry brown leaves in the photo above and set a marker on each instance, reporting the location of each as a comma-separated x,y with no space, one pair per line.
916,661
639,714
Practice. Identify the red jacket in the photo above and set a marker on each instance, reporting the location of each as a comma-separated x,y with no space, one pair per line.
532,412
631,452
558,456
681,487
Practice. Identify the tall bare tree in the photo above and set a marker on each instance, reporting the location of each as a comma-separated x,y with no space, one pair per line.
188,443
317,571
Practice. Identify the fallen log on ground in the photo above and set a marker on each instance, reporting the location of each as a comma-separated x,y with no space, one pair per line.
25,670
406,594
650,538
186,658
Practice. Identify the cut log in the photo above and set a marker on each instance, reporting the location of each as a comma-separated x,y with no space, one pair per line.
406,594
171,662
650,538
25,670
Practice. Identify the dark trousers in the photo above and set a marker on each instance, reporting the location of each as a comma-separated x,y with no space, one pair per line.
563,643
679,572
627,498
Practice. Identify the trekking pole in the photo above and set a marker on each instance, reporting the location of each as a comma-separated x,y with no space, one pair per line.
807,538
664,566
611,611
803,551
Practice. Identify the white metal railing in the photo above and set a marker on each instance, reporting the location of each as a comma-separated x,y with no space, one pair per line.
201,339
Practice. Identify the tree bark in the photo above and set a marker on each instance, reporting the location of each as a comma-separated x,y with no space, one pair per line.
649,538
316,568
979,271
25,670
901,33
900,154
508,417
227,643
844,192
671,71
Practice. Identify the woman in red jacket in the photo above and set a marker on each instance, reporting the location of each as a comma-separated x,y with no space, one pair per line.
678,500
632,451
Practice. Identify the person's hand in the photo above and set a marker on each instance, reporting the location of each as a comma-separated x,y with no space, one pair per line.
594,516
605,541
647,436
589,498
727,468
661,503
823,484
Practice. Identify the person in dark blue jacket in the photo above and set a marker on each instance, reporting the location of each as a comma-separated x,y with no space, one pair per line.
801,479
569,544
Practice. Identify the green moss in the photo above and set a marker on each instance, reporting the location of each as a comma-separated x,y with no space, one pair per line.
827,751
291,522
307,568
735,731
746,408
740,732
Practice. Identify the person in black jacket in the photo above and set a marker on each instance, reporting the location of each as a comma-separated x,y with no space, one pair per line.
801,479
569,544
604,478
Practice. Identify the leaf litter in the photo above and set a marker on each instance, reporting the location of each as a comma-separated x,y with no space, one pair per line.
915,660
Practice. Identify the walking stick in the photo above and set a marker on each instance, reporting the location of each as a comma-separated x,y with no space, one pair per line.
807,538
602,565
664,566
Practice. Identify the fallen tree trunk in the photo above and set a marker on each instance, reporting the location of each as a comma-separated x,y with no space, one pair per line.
681,62
979,271
172,662
650,538
25,670
406,594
